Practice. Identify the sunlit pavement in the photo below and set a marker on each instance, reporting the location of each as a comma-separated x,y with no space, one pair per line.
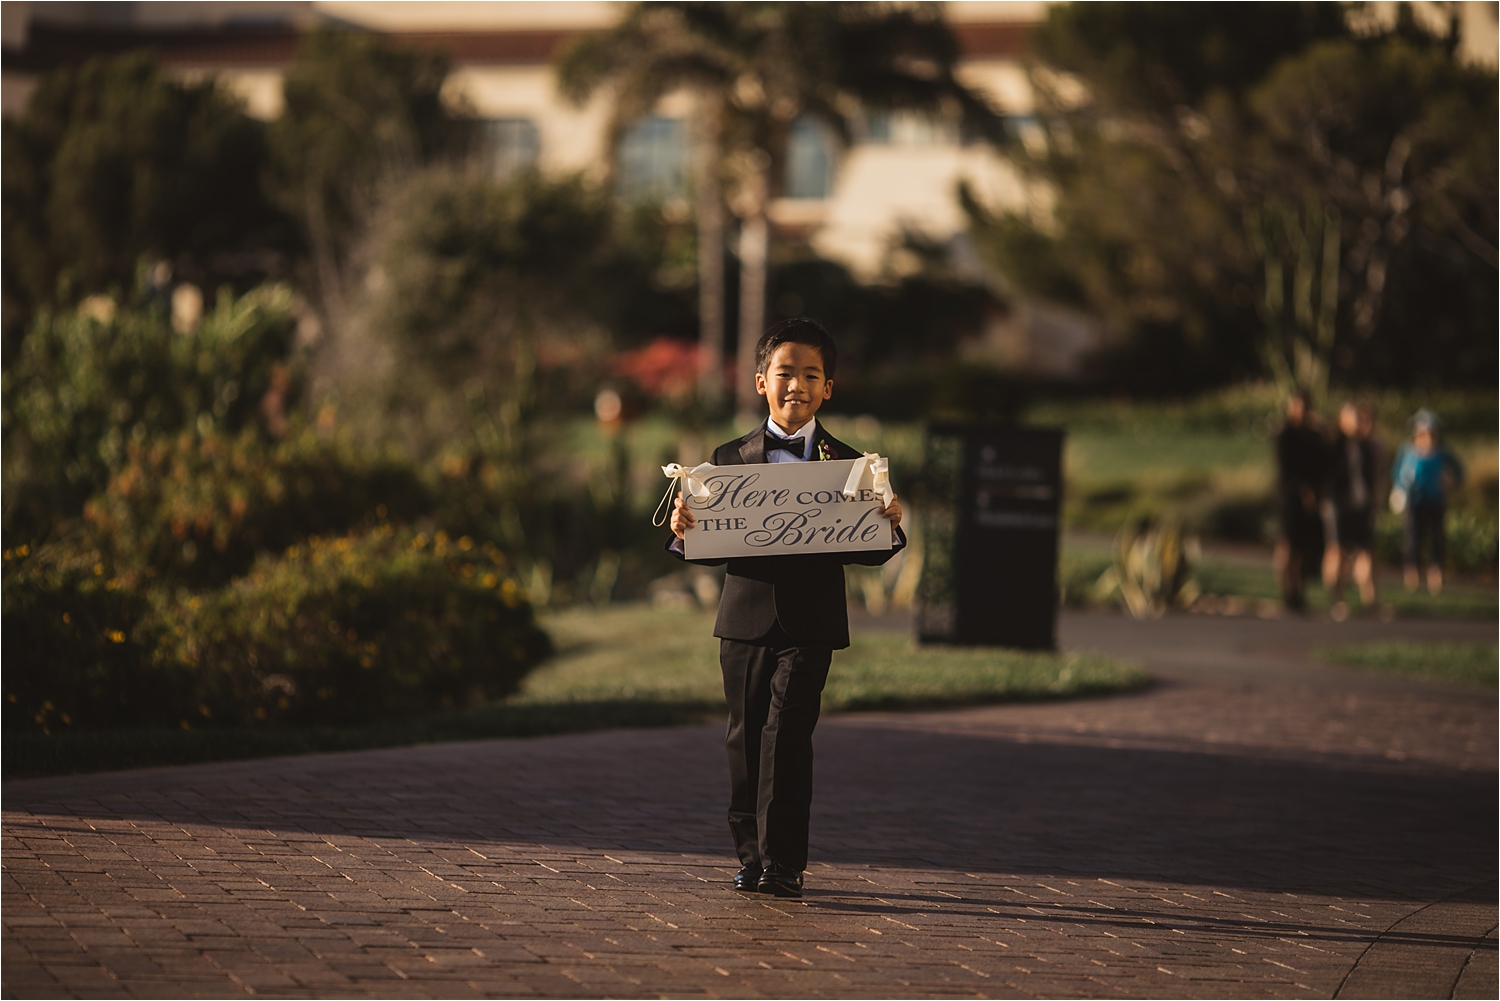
1255,824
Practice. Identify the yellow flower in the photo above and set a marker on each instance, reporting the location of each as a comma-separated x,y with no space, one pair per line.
115,636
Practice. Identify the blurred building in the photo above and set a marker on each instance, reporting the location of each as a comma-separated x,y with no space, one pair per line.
852,203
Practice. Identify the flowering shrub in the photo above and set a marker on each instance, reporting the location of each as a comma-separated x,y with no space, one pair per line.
197,507
374,625
80,645
666,368
380,624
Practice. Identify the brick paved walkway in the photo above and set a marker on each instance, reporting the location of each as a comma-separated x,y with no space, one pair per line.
1255,825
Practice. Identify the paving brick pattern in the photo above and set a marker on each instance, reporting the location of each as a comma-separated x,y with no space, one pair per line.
1256,826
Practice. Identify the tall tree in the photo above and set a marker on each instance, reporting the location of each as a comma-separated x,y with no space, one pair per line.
496,303
756,68
113,161
710,218
360,114
1217,164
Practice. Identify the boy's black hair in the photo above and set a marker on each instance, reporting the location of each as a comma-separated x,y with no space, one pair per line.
797,330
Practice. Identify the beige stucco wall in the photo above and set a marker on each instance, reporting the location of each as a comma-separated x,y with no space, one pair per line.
572,138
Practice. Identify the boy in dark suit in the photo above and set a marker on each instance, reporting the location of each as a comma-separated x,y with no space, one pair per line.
780,619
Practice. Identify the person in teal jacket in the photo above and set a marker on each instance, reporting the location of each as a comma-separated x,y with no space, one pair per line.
1419,494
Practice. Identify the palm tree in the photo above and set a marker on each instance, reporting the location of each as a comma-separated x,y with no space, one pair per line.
755,68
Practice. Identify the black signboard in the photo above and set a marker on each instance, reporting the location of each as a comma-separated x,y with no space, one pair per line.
991,536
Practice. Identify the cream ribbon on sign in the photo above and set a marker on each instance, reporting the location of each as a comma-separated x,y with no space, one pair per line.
690,480
881,470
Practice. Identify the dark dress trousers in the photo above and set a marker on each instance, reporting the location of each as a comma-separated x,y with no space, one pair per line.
780,619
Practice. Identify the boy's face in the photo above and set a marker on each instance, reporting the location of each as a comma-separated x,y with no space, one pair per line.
793,384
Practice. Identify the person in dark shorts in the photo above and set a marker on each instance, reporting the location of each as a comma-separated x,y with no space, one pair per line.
1301,457
1348,508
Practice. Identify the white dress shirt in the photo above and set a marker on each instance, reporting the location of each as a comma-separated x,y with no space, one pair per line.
805,432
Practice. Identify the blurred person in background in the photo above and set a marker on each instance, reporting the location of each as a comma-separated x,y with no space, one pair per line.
1301,458
1419,494
1349,507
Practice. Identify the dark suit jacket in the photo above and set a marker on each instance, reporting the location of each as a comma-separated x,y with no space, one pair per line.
804,594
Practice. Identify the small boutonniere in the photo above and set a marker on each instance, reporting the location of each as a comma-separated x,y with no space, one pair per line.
825,451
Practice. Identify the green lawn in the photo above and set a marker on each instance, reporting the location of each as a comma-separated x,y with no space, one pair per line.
656,655
621,666
1461,663
1163,457
1206,460
1084,559
1260,582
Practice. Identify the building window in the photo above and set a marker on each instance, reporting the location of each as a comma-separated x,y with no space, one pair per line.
877,129
511,145
970,134
653,161
809,160
908,128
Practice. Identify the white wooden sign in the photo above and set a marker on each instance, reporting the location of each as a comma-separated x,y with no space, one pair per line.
780,508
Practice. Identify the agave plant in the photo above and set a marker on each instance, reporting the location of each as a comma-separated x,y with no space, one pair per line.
1153,568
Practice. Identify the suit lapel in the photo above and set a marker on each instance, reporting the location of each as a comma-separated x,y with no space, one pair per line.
753,446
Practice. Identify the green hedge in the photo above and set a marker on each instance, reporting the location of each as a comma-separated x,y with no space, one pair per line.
1473,541
88,382
376,625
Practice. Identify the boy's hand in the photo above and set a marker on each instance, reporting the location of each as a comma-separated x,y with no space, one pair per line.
682,518
893,512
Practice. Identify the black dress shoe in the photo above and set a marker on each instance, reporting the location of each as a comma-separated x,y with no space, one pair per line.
747,880
781,881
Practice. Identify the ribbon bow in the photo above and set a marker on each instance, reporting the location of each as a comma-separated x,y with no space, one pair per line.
880,468
691,481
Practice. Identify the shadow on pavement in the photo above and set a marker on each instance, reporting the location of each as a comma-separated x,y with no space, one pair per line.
958,803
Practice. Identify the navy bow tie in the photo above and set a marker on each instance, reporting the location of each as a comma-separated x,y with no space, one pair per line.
776,443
